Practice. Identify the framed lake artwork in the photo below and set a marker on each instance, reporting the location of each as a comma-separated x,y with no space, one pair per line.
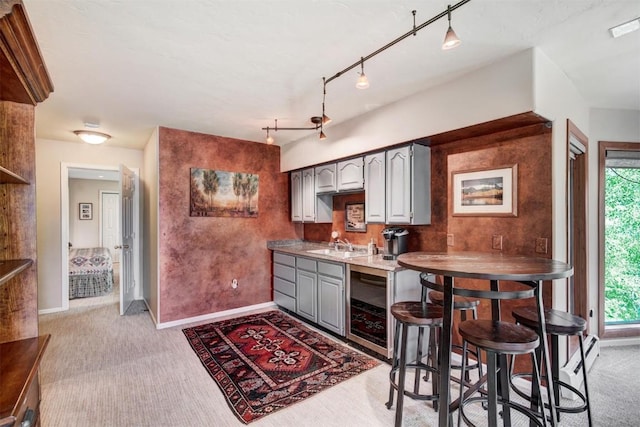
485,192
222,193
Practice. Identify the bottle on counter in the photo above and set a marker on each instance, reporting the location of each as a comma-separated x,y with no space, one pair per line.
371,248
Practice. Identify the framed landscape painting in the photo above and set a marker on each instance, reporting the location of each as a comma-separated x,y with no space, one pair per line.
485,192
221,193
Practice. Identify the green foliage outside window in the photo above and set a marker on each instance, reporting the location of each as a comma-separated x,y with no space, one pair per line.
622,245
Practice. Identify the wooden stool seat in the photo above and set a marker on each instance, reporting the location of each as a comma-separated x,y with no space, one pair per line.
459,302
416,313
422,316
556,322
499,339
498,336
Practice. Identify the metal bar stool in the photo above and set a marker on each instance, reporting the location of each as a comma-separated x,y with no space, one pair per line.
557,323
421,315
463,305
499,339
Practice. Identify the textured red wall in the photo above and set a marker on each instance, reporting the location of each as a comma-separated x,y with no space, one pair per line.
198,257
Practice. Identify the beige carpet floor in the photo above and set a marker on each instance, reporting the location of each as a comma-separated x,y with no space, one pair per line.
102,369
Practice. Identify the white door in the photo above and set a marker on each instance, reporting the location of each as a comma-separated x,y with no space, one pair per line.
127,282
109,229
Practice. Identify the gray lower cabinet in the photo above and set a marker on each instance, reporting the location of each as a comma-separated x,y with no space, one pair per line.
331,296
313,289
306,288
284,280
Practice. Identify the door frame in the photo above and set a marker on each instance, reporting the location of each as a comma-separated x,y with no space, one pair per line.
620,331
102,193
577,144
64,227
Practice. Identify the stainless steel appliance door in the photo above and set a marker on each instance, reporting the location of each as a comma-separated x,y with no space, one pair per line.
368,322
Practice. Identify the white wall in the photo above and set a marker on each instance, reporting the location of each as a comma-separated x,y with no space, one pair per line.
611,126
49,155
499,90
85,233
150,230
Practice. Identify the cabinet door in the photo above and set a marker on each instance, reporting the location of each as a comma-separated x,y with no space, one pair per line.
308,196
296,196
306,290
350,174
331,303
399,186
374,187
326,178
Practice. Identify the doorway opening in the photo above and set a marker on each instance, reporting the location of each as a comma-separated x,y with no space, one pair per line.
619,249
111,179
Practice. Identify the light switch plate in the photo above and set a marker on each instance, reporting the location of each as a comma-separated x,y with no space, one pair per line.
449,239
496,242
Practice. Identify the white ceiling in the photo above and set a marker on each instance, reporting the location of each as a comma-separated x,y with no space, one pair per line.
230,67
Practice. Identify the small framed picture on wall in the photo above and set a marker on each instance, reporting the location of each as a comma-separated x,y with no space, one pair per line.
85,210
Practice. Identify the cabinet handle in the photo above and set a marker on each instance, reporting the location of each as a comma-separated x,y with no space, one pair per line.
29,417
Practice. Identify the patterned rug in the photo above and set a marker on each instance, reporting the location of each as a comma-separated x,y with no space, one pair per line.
268,361
369,321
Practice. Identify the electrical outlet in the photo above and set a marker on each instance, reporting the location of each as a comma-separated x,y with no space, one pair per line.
449,239
541,245
496,242
234,283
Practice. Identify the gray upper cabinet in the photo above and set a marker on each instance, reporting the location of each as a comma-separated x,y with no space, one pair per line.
296,196
308,196
306,205
326,178
350,174
408,185
374,187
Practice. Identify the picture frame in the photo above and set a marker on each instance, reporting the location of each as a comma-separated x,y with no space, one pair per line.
354,218
85,211
485,192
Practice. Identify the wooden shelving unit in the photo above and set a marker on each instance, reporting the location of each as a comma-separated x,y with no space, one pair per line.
24,83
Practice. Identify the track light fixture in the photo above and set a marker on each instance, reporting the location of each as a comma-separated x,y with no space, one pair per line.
317,124
363,81
325,118
451,40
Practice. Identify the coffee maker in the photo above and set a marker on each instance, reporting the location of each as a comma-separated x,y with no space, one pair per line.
395,242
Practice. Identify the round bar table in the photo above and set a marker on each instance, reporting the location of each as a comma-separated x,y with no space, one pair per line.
531,271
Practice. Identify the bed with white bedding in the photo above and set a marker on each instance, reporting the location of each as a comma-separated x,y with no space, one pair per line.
90,272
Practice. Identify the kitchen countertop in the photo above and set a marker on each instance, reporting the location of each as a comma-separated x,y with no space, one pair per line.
300,248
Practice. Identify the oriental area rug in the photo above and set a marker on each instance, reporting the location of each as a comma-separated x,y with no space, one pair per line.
268,361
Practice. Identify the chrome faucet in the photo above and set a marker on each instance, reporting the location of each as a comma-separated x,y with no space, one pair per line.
345,242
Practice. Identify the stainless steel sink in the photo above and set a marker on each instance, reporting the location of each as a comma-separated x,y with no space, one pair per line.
338,254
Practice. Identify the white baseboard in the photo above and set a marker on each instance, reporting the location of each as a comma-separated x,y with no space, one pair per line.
52,310
221,315
571,373
619,342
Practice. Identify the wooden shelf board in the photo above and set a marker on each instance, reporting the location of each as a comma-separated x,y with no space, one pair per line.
8,177
9,268
18,367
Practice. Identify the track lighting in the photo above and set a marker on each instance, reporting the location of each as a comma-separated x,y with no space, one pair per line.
363,81
317,124
451,40
270,139
325,118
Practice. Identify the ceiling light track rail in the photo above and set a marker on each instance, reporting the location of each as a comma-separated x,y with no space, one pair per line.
451,41
398,40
